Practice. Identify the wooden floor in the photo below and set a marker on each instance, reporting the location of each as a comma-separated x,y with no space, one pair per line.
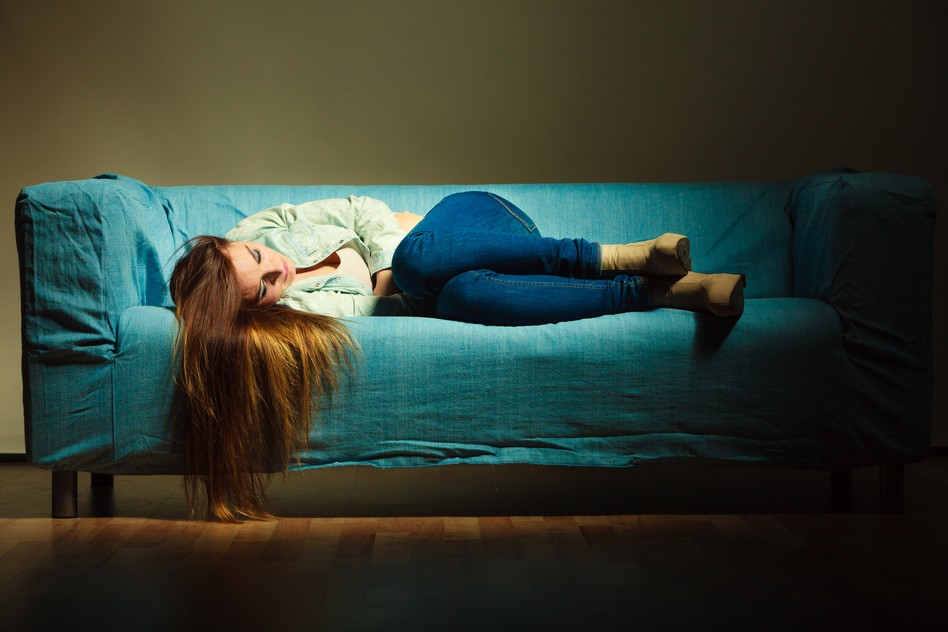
478,548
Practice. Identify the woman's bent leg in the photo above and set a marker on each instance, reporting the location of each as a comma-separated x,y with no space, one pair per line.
489,298
425,261
475,229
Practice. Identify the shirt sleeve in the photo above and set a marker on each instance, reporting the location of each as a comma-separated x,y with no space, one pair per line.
375,224
275,218
300,232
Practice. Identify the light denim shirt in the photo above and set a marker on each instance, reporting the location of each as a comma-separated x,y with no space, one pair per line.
308,233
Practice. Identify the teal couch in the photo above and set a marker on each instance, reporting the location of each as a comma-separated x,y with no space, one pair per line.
828,368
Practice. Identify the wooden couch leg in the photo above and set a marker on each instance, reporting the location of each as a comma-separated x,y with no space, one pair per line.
891,487
65,504
103,480
101,496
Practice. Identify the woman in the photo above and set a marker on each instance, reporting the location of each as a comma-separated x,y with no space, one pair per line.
259,341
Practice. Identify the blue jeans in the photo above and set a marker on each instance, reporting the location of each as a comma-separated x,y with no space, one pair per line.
485,262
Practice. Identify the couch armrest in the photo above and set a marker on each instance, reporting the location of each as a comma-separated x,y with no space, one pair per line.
863,242
88,250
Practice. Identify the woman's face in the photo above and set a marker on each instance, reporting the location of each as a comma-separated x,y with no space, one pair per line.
263,274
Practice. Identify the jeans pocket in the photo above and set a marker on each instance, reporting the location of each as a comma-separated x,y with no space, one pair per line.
515,212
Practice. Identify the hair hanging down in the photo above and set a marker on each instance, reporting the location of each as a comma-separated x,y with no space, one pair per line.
250,379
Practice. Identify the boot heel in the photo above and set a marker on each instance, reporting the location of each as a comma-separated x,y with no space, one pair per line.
675,251
726,294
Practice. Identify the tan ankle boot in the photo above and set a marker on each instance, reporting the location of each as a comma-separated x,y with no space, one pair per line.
719,294
668,254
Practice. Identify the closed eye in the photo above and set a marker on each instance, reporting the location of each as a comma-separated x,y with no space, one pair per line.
255,253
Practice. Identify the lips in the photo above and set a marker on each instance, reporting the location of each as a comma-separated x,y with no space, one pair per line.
286,270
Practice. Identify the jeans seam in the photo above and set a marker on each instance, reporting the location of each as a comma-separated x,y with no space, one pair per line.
505,282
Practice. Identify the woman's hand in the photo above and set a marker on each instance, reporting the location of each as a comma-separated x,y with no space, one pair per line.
385,283
407,221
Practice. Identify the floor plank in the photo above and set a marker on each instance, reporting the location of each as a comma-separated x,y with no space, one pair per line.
469,548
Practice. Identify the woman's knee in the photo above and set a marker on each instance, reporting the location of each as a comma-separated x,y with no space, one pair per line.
410,269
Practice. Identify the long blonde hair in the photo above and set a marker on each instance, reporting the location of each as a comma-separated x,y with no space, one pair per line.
250,381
